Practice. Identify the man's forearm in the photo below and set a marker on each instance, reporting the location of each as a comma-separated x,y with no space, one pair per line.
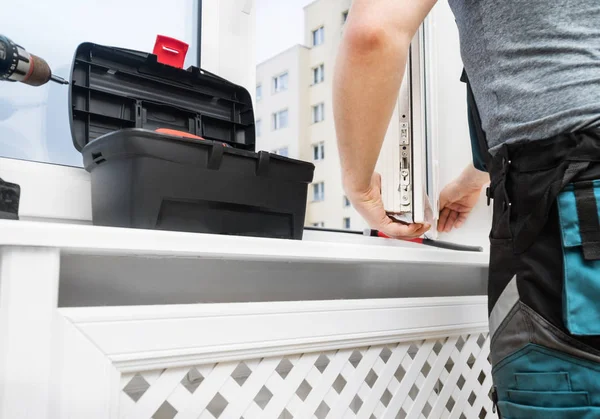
472,178
369,72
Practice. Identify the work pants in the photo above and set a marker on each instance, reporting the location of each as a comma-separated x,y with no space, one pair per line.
544,280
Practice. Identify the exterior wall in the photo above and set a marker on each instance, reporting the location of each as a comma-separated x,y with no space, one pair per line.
291,61
300,97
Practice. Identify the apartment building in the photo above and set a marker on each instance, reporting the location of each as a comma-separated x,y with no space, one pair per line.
294,111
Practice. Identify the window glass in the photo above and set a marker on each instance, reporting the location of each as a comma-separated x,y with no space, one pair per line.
346,202
280,83
318,191
258,92
291,39
318,113
319,151
258,127
319,74
34,121
344,17
282,152
318,36
280,120
347,222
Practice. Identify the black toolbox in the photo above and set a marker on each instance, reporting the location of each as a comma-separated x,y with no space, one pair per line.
142,178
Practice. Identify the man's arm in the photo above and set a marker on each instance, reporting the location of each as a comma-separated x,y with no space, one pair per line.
369,72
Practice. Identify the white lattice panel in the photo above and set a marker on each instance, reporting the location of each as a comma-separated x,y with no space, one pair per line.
446,378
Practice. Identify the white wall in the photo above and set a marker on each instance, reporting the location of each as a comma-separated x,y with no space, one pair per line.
452,128
293,62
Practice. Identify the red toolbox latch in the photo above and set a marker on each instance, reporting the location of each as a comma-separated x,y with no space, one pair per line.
170,51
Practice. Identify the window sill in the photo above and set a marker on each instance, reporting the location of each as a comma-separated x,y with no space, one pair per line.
315,247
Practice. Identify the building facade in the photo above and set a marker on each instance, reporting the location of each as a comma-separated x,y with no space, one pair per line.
294,111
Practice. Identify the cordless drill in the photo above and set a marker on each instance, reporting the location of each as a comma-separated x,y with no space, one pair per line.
16,64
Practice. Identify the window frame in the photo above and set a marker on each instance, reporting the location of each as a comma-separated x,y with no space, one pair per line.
275,116
318,197
278,151
319,69
315,113
319,148
275,82
314,32
258,127
259,89
61,193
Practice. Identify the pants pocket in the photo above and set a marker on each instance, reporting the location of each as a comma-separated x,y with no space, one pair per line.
549,398
543,381
578,207
518,411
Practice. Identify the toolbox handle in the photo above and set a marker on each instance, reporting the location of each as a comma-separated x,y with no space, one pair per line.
177,133
170,51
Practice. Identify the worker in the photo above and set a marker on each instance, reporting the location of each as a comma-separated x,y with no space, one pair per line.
533,73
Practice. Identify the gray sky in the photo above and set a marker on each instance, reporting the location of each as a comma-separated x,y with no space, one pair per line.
279,25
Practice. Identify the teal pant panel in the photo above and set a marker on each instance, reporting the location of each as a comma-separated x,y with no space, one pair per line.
536,382
581,291
543,381
549,398
516,411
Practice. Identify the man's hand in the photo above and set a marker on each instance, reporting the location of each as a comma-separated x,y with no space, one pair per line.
370,206
459,197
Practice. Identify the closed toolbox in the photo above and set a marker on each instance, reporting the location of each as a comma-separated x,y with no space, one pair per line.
174,149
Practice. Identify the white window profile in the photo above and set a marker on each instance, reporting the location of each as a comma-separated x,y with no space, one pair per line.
280,120
280,83
319,151
318,113
318,36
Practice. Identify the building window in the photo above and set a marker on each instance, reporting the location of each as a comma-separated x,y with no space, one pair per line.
280,83
318,113
318,191
319,151
281,152
280,120
318,36
344,17
346,202
258,127
259,92
320,224
347,223
319,74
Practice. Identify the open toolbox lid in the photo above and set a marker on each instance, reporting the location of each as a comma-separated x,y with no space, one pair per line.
114,88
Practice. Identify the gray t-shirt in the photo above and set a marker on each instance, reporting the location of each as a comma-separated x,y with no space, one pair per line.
534,65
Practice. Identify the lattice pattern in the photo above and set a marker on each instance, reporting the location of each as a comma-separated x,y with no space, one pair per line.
447,378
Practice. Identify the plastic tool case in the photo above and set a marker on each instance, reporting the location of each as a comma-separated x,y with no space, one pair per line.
142,178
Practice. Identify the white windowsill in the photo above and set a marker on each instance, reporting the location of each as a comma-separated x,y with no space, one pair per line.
55,211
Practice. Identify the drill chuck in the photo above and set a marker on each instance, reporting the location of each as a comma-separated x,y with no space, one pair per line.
16,64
